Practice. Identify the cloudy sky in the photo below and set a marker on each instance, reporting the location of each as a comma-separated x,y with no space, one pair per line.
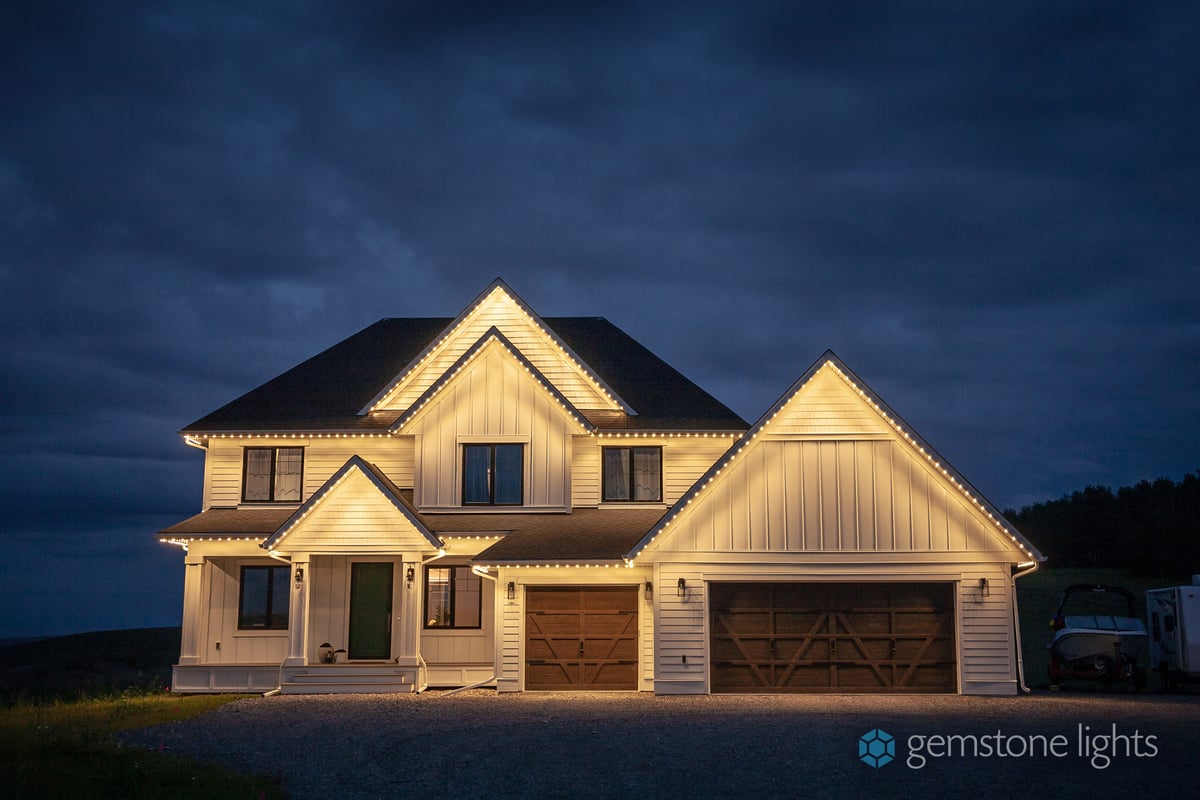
991,215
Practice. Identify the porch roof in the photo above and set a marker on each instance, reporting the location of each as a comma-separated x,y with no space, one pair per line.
588,535
221,522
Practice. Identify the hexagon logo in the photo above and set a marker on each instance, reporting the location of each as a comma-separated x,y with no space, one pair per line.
876,748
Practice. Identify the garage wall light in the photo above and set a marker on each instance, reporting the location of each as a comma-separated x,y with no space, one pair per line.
681,587
984,589
649,590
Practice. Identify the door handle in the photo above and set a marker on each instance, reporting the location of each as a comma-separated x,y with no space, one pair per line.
581,647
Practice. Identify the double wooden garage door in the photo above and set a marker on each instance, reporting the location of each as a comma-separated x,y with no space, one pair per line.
581,638
798,637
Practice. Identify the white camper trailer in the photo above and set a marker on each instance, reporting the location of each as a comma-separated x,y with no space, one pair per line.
1173,617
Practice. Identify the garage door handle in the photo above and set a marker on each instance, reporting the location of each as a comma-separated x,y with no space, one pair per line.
581,647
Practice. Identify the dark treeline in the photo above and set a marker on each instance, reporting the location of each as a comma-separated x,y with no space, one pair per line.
1153,527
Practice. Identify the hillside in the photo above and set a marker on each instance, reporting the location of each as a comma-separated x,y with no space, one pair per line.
88,663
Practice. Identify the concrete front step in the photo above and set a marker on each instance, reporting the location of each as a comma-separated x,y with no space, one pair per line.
340,688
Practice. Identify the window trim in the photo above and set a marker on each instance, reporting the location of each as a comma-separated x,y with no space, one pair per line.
604,498
453,626
273,570
274,472
491,501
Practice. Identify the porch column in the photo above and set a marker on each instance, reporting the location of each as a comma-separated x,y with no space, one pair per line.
193,580
298,613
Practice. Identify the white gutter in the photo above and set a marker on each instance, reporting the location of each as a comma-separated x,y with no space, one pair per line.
1030,567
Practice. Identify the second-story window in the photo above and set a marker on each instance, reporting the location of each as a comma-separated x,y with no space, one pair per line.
633,474
493,474
272,474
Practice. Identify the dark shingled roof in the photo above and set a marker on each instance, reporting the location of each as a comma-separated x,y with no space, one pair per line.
217,522
588,535
326,392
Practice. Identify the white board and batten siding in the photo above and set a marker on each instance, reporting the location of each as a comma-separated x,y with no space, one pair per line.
223,642
494,401
322,458
830,492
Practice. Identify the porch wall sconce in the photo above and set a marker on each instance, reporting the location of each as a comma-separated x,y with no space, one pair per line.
512,590
984,589
409,576
299,577
649,590
681,587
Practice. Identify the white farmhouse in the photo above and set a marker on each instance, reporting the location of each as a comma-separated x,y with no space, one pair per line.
537,503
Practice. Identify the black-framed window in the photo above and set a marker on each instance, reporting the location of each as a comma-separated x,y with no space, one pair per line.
493,474
272,474
633,475
453,598
263,598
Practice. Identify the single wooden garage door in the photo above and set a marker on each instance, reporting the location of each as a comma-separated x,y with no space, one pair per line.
581,638
799,637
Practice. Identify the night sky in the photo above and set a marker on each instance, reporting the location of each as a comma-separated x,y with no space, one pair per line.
991,215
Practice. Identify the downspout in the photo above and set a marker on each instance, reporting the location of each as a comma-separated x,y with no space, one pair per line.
423,682
1012,582
495,636
278,689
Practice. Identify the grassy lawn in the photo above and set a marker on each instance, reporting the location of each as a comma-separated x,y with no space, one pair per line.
65,750
1038,596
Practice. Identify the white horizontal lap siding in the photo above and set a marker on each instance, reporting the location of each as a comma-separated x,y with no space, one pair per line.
494,398
512,632
225,473
585,471
322,458
353,517
536,346
828,407
686,459
393,456
830,496
681,632
987,655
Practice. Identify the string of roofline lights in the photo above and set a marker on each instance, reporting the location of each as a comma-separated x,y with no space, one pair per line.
599,434
579,367
912,441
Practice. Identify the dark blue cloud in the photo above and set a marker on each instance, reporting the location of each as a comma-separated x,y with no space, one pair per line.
988,212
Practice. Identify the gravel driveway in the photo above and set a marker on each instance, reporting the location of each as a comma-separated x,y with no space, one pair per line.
558,745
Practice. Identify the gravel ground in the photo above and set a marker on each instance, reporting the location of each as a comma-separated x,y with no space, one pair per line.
558,745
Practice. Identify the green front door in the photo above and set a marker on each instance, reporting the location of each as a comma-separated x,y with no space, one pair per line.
370,610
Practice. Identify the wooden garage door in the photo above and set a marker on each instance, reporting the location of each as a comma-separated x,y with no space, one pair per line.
797,637
581,638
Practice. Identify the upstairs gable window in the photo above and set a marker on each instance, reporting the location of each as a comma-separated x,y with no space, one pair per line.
272,474
632,474
493,474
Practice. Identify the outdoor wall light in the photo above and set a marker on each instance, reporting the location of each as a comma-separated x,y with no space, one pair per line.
682,587
410,576
512,590
984,589
299,577
649,589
